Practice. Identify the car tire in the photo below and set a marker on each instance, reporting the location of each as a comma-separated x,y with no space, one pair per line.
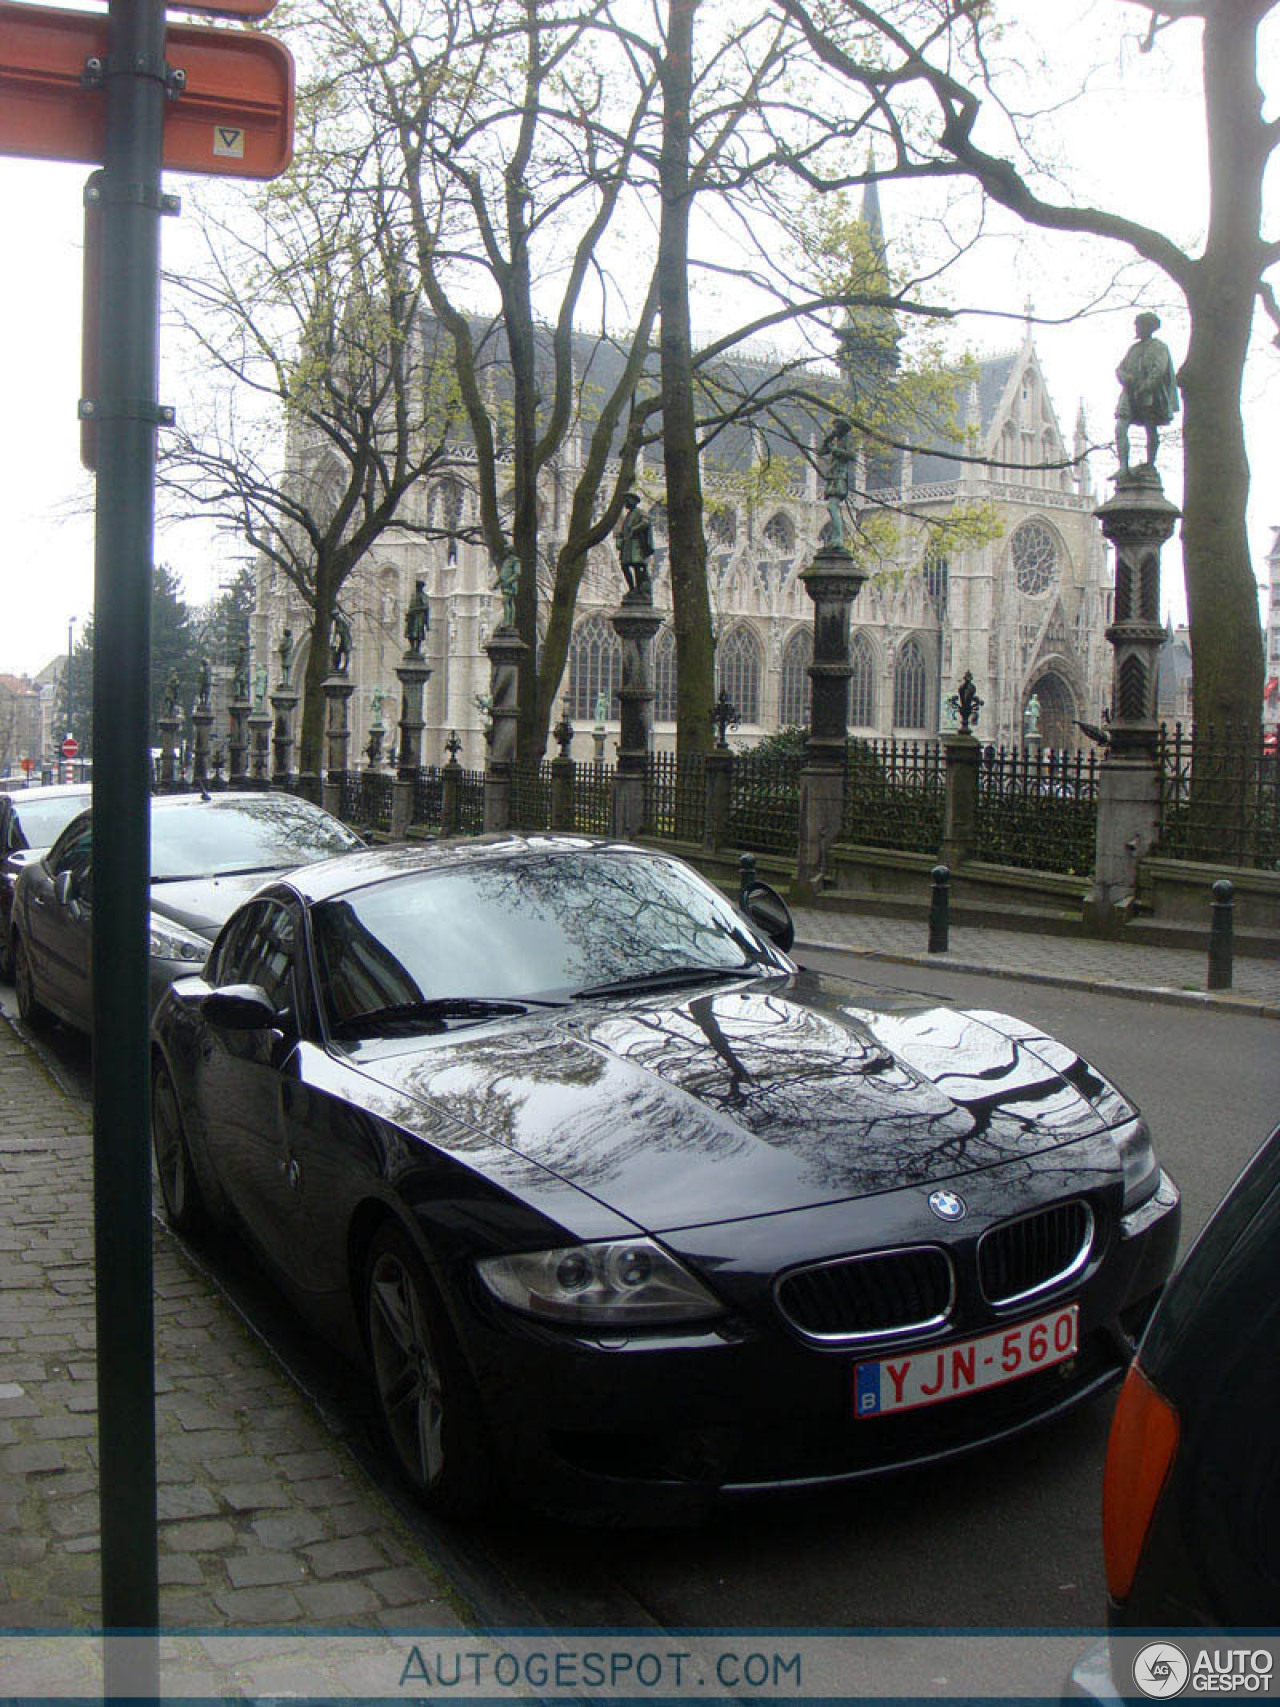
184,1204
31,1011
426,1397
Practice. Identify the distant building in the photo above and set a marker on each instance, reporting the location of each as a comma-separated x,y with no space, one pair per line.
1026,612
20,731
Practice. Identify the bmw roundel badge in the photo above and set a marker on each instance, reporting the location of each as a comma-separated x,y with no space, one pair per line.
947,1206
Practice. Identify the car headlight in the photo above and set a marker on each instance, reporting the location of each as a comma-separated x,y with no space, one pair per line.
1138,1158
624,1282
176,942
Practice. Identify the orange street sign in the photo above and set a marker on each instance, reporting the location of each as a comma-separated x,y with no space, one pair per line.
234,117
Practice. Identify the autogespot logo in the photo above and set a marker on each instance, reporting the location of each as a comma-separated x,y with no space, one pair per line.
1161,1669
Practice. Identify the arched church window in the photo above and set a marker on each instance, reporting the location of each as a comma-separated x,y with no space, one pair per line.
936,571
664,676
738,664
780,534
595,668
910,687
793,697
1034,553
862,683
722,526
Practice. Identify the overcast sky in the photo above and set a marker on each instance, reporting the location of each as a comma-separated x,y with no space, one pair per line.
1136,143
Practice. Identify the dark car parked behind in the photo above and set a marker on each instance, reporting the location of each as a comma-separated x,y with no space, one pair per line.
1191,1504
208,852
30,821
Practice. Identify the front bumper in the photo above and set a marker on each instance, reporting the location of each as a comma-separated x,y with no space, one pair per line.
658,1428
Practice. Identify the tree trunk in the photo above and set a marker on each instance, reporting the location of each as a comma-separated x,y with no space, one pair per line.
1222,595
695,645
311,754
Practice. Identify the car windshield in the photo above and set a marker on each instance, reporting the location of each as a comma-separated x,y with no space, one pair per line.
524,929
41,822
212,838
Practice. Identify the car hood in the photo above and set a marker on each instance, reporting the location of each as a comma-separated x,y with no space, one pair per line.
204,904
792,1091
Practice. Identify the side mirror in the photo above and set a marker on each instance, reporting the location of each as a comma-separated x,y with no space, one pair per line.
66,888
239,1007
769,913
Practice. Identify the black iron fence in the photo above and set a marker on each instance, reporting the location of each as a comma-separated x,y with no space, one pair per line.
895,795
764,802
428,798
593,799
531,796
1038,809
470,803
675,796
1219,797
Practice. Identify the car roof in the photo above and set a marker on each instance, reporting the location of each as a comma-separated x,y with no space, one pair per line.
52,792
327,878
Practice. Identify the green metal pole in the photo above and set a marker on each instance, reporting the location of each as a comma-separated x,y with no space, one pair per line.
126,414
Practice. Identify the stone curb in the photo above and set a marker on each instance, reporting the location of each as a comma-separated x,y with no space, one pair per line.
1222,1000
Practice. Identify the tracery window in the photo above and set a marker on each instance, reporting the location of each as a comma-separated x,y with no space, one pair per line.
780,534
862,683
793,698
595,667
910,687
936,572
664,676
738,664
1034,553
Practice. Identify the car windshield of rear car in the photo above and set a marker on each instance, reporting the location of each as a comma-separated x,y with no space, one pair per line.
212,838
39,823
523,929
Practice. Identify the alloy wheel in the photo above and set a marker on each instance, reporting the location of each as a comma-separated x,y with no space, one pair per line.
406,1369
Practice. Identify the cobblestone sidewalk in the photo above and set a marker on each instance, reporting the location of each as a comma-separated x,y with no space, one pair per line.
264,1518
1115,967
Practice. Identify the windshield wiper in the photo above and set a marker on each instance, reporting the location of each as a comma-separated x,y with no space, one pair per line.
669,977
209,876
434,1011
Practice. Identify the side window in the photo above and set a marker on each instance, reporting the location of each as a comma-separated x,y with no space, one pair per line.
228,955
265,956
73,851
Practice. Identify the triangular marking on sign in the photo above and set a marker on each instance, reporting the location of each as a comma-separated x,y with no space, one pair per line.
228,141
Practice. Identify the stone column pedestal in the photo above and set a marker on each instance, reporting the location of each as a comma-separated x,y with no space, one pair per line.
202,720
719,793
833,581
963,754
338,690
1136,522
562,769
283,702
238,744
505,650
635,622
168,727
259,722
413,674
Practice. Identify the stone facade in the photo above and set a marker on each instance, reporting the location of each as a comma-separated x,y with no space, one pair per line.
1026,612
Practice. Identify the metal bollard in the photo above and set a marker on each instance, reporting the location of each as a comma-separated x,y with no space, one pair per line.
940,910
746,875
1220,935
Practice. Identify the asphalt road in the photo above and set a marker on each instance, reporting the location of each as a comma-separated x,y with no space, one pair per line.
1008,1538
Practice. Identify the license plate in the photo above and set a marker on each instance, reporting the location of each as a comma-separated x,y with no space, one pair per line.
965,1366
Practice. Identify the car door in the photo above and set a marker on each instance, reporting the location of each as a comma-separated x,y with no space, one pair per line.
241,1074
58,918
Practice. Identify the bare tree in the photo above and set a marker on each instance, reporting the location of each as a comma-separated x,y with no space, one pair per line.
923,74
328,404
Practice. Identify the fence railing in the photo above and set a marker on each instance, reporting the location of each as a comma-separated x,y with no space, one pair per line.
1219,797
895,794
1038,809
470,803
764,802
593,799
531,796
428,798
675,797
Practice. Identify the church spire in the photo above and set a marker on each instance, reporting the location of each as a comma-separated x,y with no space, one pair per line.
869,337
